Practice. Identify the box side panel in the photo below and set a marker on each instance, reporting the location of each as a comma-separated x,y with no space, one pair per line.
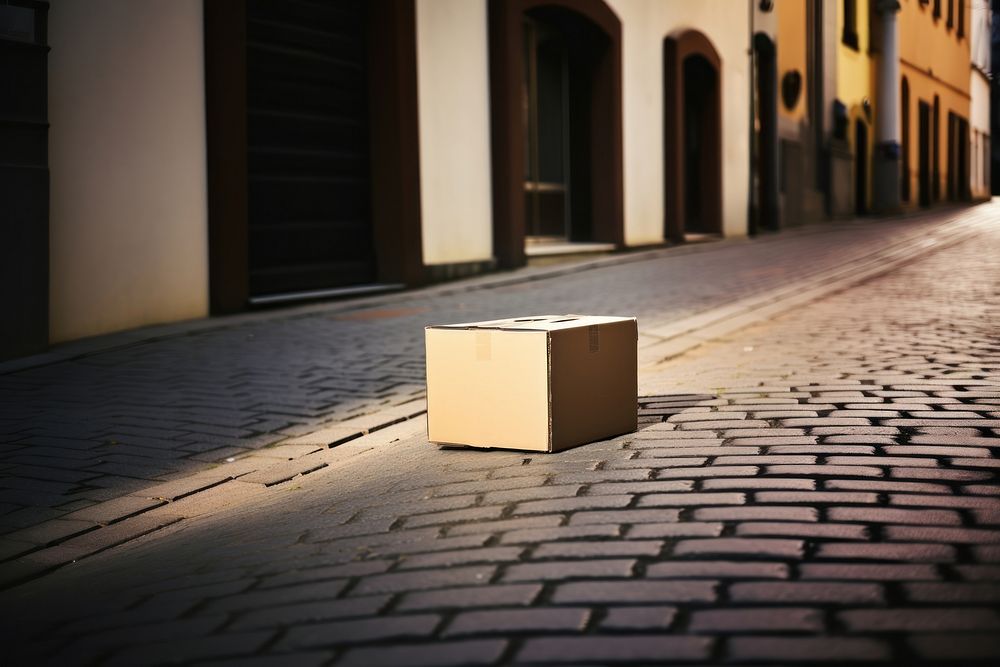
487,388
594,383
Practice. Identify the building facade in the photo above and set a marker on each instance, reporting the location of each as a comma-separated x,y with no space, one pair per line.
794,88
994,169
212,157
935,94
980,29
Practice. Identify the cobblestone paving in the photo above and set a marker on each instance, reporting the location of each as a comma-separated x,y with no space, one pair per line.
819,488
101,427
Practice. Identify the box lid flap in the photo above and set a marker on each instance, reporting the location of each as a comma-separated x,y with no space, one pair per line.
537,323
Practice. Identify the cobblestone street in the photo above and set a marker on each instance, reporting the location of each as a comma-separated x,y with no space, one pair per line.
817,487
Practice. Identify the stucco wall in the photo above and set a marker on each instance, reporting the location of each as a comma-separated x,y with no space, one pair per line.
927,44
935,62
855,68
791,47
128,223
979,131
645,24
923,88
979,92
455,172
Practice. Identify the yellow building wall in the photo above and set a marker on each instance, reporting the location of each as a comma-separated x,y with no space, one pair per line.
791,52
856,81
926,44
854,67
935,62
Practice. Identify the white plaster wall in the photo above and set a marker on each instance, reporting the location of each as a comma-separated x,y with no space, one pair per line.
454,107
980,22
645,23
979,106
979,126
128,222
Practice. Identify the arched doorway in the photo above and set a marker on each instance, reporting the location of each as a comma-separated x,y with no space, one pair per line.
555,87
766,162
860,167
692,135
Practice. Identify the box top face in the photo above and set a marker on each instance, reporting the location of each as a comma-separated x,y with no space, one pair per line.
537,323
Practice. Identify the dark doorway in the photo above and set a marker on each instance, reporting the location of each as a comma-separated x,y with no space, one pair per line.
924,153
936,151
766,135
699,92
963,160
310,109
24,178
561,50
951,192
555,88
692,136
958,158
860,167
308,162
547,133
904,102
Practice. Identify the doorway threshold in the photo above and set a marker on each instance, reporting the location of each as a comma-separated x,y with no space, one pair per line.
544,254
699,237
333,293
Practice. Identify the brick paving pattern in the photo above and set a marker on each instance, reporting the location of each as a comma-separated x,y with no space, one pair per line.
818,488
138,420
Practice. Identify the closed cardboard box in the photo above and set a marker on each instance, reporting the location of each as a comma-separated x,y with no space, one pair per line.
542,383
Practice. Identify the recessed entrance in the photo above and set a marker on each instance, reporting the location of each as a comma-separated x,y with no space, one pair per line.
547,133
860,167
555,76
924,153
692,136
904,101
309,190
699,89
958,158
765,209
310,110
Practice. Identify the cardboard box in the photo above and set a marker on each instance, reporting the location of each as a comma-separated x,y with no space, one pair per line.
542,383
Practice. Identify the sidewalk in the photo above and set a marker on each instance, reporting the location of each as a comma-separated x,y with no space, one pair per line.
808,487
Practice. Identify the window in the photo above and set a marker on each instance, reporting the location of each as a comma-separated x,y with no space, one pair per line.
937,9
961,19
951,14
850,36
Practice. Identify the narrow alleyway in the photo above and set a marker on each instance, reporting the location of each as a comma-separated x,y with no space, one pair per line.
77,434
820,487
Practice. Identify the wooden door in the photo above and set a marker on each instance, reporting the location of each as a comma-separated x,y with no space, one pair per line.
309,209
